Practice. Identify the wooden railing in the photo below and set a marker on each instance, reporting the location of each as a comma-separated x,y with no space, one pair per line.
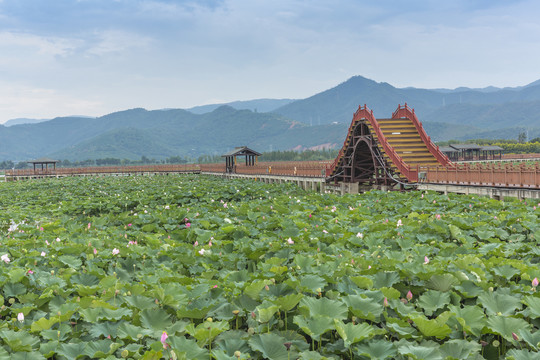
406,112
283,168
497,175
410,173
105,170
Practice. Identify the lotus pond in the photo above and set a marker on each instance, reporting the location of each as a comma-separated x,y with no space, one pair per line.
195,267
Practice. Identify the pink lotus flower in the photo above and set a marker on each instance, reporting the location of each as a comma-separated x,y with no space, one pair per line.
310,216
514,335
290,241
47,242
164,337
409,295
210,243
196,243
535,282
5,258
115,251
225,205
129,224
202,251
426,260
20,317
30,272
214,287
385,302
438,217
89,224
43,253
95,251
324,231
57,239
360,235
41,229
399,223
188,225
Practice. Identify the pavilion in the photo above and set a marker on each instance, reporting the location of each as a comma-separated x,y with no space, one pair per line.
251,157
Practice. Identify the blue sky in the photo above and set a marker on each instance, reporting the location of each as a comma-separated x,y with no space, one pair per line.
93,57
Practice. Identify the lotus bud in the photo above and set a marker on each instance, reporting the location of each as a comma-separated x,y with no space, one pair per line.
409,295
535,282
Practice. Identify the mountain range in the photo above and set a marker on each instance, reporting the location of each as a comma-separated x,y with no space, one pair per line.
273,124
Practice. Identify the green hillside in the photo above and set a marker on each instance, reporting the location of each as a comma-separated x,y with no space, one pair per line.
274,124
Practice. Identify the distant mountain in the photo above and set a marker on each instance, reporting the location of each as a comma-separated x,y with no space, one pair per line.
271,124
20,121
258,105
339,103
162,133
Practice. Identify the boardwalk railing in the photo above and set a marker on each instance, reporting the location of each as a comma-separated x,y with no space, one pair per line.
104,170
283,168
492,174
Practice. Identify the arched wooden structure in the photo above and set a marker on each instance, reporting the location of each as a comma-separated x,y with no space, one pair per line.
385,151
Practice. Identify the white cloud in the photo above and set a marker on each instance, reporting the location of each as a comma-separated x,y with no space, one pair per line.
22,101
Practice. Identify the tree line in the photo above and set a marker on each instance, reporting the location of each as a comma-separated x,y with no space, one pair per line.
285,155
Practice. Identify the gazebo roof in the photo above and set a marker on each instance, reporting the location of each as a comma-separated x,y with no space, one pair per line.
43,160
466,146
241,150
447,149
491,148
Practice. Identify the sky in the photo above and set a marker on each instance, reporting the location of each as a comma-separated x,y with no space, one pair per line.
94,57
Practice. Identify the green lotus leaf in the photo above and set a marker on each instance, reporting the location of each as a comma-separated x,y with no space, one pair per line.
43,324
435,327
385,279
533,339
362,282
100,349
506,271
497,303
265,313
505,326
333,309
126,330
460,349
70,261
533,306
433,300
441,282
140,302
316,326
351,333
207,330
156,319
364,307
16,275
471,318
377,349
73,350
97,314
313,283
253,289
4,355
420,352
12,290
33,355
469,289
19,340
48,349
103,329
521,354
402,328
271,346
288,302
